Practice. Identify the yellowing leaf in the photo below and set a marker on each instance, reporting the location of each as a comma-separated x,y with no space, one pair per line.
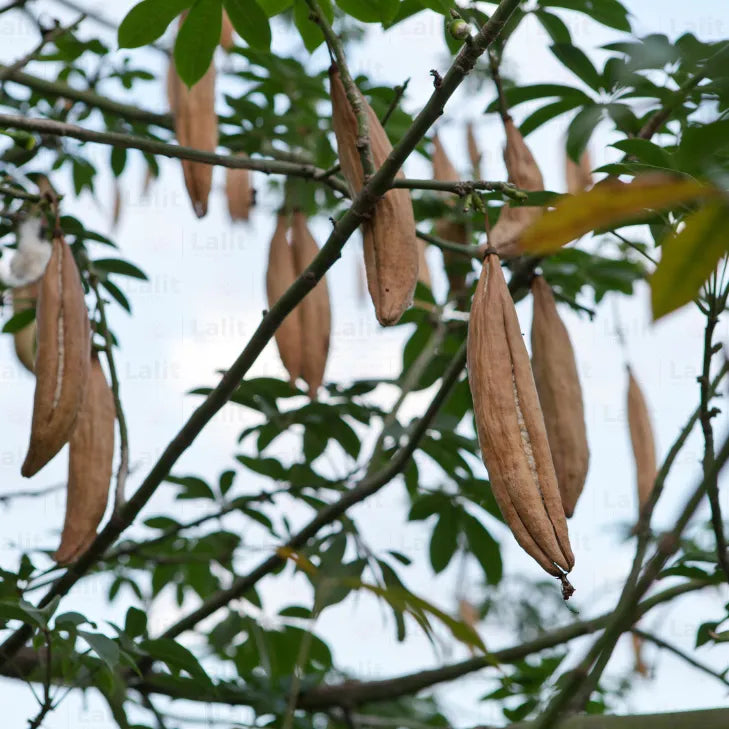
608,203
689,257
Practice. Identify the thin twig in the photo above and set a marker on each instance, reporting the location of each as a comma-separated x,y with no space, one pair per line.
47,704
645,635
463,187
399,93
18,193
447,245
350,88
707,413
47,37
123,470
31,494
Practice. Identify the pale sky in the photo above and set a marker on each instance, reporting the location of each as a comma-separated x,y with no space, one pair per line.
204,298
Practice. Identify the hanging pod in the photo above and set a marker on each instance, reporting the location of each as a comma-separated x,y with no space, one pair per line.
314,310
524,173
560,395
457,266
62,358
196,126
511,429
280,274
91,452
390,244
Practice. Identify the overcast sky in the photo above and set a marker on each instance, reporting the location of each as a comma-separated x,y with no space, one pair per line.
205,296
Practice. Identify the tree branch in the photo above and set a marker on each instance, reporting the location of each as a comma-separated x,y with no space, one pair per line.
463,187
350,88
60,89
644,635
330,252
447,245
152,146
123,470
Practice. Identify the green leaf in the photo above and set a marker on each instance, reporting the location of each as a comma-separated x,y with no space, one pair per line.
136,622
250,22
555,26
689,257
176,657
104,647
484,548
580,130
545,114
308,30
577,62
444,539
19,321
147,20
197,40
116,265
370,11
274,7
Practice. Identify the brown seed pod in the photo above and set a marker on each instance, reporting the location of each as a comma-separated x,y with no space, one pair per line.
560,395
238,193
91,452
62,359
524,173
314,310
226,33
474,152
641,437
640,666
281,273
457,267
196,125
25,297
579,176
511,428
390,244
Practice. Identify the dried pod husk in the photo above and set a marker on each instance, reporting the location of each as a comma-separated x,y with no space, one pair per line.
314,309
24,298
423,268
579,176
457,267
560,395
91,452
238,193
117,205
62,358
281,273
196,125
511,428
640,666
524,173
474,153
226,33
641,437
390,243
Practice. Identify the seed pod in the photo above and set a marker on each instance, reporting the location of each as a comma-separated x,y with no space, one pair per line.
524,173
423,268
457,267
25,297
390,244
226,33
62,359
238,193
640,666
91,452
511,428
560,395
474,152
641,437
280,275
314,309
117,205
579,177
196,125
